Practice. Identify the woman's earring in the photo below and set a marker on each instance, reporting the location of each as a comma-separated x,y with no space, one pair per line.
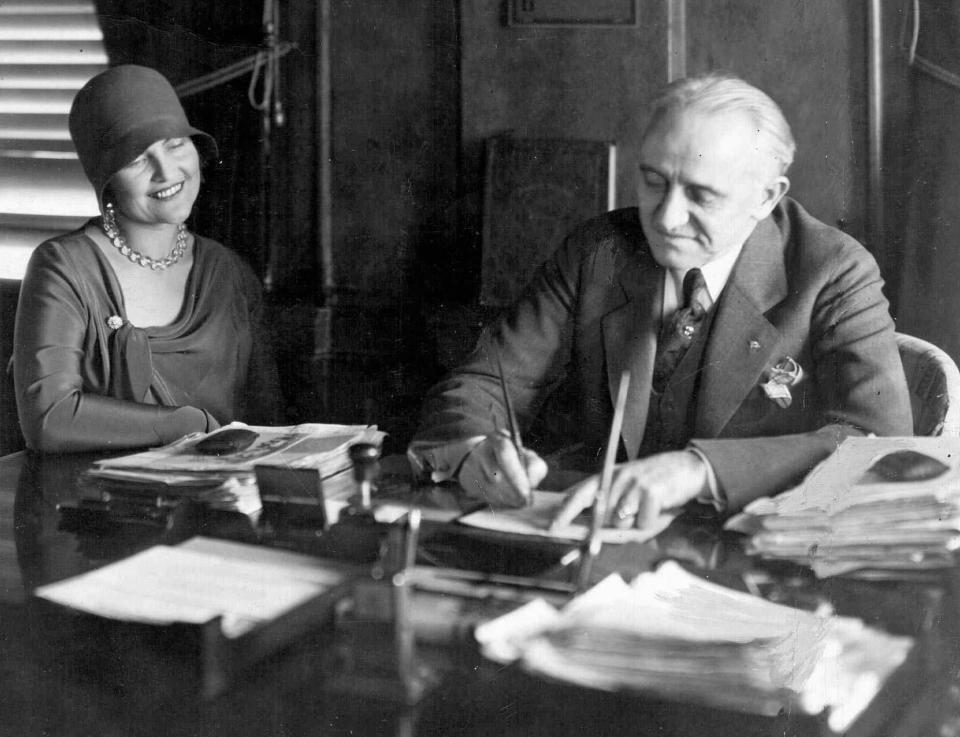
109,219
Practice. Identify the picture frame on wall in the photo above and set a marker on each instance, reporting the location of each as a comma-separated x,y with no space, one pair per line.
596,13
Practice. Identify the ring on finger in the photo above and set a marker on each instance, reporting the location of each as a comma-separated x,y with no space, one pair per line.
625,514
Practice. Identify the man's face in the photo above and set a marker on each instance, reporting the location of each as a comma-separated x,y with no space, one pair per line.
703,186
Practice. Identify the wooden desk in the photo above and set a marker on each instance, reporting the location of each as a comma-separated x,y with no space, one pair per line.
57,680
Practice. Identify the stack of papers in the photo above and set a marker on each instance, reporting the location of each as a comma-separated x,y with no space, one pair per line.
227,481
126,490
847,519
676,636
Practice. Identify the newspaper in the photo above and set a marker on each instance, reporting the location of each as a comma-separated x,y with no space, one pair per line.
323,447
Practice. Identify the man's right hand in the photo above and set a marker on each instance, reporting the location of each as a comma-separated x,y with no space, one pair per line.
496,473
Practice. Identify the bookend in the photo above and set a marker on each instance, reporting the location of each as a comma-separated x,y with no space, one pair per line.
295,512
291,497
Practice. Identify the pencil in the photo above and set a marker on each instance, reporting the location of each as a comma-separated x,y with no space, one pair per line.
512,424
511,417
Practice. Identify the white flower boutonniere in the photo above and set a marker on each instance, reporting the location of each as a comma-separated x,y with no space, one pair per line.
784,374
114,322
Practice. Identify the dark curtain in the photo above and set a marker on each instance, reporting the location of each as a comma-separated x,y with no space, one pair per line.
184,41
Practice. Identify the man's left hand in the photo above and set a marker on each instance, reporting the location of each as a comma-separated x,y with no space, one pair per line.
641,489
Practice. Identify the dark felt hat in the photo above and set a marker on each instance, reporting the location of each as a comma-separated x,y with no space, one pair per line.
122,111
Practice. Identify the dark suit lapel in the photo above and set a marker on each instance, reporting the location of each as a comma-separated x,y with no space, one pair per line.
630,340
742,341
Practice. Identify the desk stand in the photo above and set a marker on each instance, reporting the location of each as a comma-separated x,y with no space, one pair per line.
376,651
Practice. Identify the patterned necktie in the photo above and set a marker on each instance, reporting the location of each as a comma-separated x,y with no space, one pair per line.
680,330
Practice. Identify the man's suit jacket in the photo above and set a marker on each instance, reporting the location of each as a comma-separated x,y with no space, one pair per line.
800,289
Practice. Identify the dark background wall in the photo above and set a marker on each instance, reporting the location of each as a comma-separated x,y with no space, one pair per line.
923,224
595,83
810,57
395,131
550,82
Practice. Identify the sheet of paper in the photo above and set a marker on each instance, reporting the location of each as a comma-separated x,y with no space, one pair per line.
197,581
535,520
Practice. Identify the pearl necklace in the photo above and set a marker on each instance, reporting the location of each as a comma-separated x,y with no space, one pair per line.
113,233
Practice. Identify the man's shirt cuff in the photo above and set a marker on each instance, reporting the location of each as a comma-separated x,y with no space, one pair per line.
713,494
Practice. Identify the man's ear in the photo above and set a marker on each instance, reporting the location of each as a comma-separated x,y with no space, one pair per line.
770,195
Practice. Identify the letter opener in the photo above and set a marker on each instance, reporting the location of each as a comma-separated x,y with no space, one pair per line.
591,547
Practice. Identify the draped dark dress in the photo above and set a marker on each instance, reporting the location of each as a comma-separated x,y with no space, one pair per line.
87,379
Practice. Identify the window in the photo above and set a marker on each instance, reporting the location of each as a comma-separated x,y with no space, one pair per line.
48,50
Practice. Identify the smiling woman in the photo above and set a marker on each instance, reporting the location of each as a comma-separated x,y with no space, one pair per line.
133,331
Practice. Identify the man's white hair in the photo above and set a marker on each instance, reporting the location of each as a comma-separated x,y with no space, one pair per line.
715,93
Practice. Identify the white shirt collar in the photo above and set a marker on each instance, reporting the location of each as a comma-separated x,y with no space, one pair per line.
716,273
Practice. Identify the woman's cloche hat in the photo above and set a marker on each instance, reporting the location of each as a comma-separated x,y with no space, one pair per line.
121,112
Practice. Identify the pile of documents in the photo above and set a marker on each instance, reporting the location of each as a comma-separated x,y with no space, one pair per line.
848,518
163,476
676,636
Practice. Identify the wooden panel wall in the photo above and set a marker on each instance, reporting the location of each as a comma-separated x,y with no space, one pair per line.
394,129
394,138
925,144
566,82
810,57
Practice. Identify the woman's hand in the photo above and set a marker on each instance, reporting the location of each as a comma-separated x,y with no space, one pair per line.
641,490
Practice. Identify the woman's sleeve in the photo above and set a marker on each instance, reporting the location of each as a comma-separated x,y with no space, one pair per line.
56,413
262,400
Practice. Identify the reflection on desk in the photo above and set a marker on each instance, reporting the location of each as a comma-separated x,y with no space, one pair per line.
61,678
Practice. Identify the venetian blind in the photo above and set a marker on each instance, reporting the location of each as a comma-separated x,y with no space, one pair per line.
48,50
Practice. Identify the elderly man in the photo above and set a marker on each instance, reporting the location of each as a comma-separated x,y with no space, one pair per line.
756,336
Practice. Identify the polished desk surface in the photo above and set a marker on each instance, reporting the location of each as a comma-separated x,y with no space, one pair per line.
62,679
